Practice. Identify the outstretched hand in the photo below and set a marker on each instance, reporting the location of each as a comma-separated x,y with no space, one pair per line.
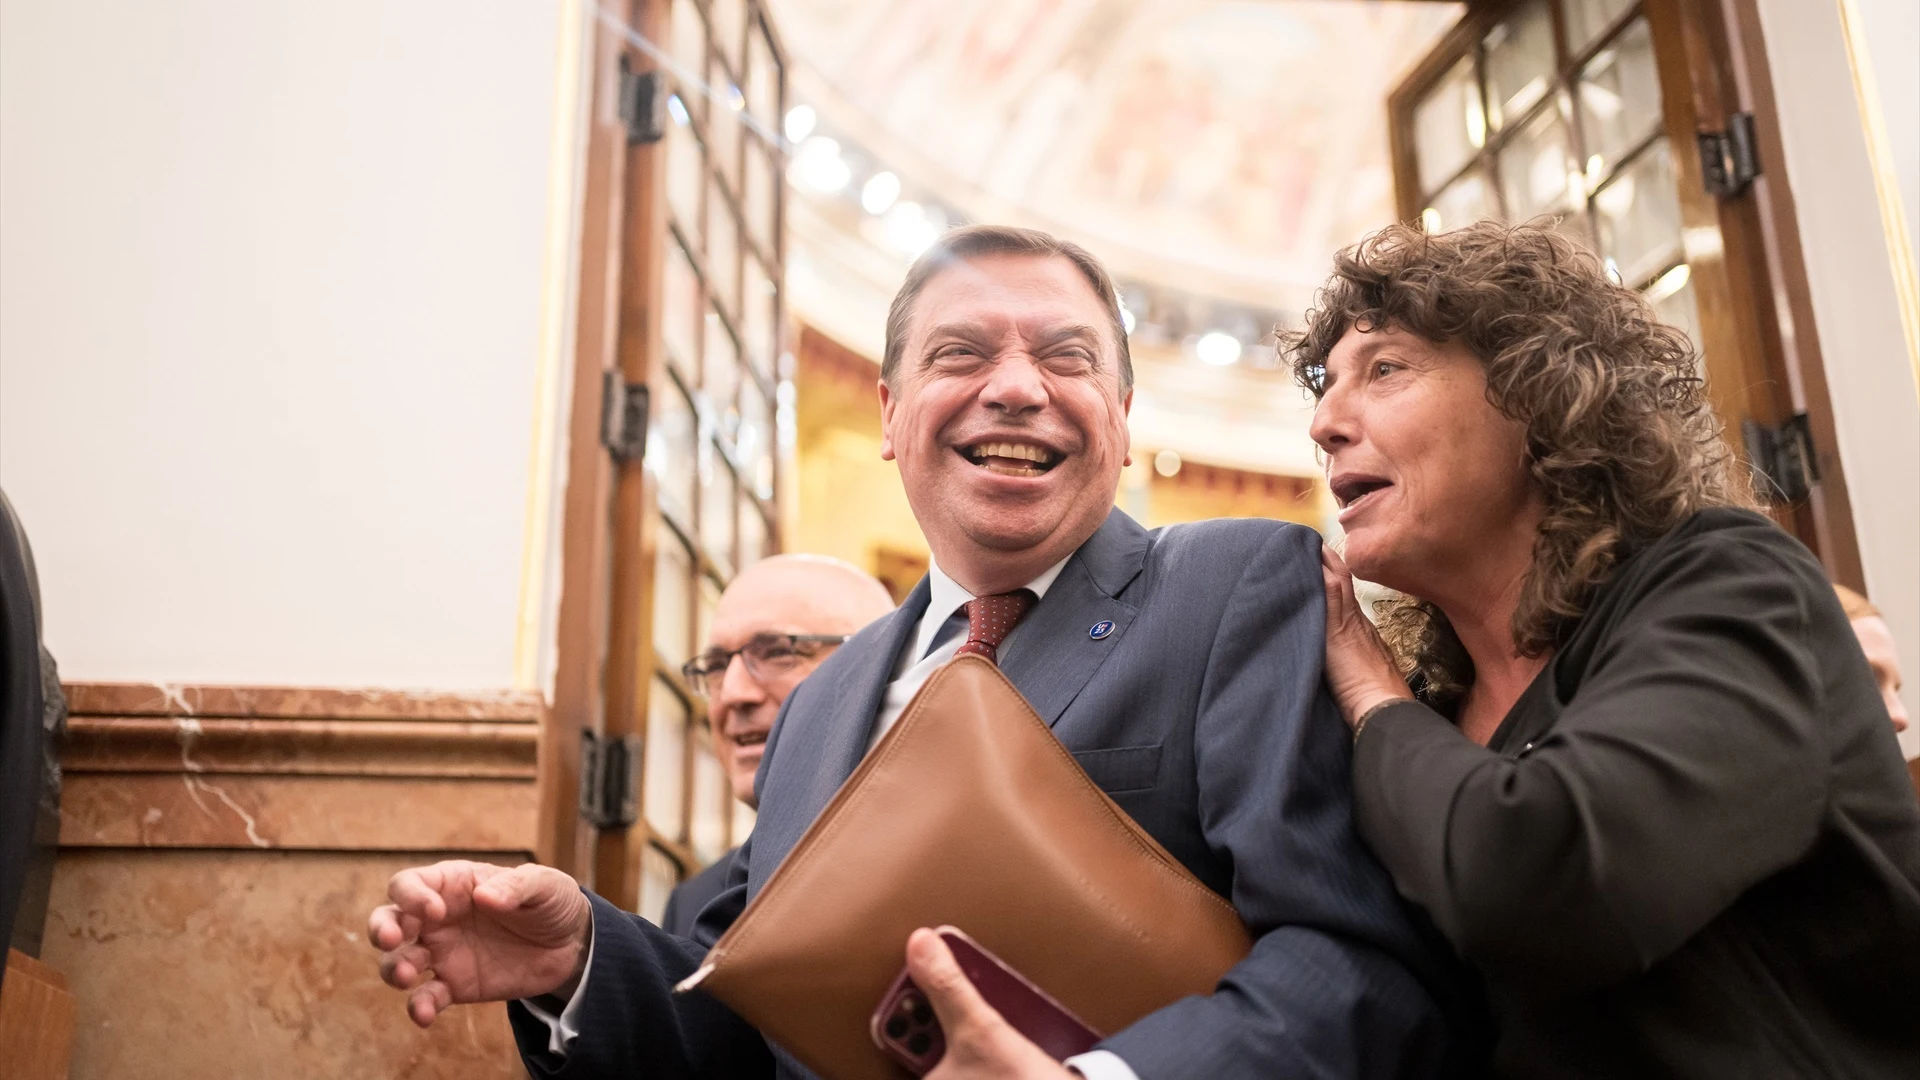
1361,672
459,932
981,1045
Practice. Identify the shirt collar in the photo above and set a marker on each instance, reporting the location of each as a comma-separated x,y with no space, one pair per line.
946,596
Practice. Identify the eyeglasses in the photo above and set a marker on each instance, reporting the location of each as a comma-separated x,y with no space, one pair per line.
767,656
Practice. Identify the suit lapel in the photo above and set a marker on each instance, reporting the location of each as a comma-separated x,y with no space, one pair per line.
862,686
1054,652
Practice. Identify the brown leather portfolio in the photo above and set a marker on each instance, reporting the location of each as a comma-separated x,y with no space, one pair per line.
968,813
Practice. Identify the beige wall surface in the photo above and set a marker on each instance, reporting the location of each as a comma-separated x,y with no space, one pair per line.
271,276
1869,365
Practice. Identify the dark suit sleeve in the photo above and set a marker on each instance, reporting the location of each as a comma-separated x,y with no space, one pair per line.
1689,765
629,1021
1330,989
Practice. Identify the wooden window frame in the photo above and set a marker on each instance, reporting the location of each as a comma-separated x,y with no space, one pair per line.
1760,344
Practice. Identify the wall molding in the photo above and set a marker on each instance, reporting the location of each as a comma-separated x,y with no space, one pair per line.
318,768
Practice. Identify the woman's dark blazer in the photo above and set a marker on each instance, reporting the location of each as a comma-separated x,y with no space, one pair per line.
1692,848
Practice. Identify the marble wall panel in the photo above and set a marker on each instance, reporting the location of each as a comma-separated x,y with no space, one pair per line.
338,812
192,963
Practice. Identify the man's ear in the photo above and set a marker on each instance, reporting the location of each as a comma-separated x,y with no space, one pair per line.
1126,409
886,421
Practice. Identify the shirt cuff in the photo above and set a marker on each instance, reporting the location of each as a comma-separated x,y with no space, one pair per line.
1101,1065
562,1029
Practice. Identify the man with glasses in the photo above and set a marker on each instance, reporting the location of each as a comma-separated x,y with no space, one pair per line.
773,626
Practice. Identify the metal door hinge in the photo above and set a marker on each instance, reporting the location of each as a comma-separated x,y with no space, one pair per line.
608,788
623,417
1729,159
643,104
1782,458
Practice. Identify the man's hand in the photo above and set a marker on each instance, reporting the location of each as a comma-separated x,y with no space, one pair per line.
459,932
980,1044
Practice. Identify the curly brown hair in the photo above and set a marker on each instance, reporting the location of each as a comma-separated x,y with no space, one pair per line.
1620,438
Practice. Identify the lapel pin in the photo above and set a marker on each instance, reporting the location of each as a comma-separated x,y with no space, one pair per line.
1100,629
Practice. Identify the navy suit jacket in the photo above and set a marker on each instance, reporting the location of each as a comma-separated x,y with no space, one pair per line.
689,897
1204,715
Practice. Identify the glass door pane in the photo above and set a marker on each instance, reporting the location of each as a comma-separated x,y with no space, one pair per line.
717,496
1619,99
1520,64
680,300
664,762
685,173
753,531
658,875
729,28
673,449
1465,201
723,251
1638,215
763,81
672,597
1449,126
1672,296
721,372
712,806
753,439
723,127
1588,19
689,34
759,200
1535,169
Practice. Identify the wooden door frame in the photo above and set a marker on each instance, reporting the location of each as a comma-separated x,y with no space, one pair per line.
565,841
1755,306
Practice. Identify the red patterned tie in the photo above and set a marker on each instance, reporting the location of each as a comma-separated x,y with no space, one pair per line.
990,619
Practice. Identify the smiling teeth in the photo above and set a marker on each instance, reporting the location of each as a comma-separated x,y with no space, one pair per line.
1017,451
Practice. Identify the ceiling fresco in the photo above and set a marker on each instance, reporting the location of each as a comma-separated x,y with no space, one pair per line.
1234,145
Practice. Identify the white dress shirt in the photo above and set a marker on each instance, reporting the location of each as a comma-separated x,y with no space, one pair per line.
941,632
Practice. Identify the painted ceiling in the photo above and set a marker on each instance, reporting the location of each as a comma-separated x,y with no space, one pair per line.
1235,144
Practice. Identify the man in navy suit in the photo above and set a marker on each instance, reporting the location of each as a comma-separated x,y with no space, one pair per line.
1182,667
777,620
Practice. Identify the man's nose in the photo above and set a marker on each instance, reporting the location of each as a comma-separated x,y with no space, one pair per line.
1014,384
1898,710
738,687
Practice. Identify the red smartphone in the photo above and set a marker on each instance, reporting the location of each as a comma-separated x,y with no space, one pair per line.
906,1029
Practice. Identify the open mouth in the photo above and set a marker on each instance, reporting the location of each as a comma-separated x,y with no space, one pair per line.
1351,490
1003,458
746,739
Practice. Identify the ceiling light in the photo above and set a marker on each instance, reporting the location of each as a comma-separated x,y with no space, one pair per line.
799,122
1430,221
879,192
1166,463
1217,348
818,166
910,229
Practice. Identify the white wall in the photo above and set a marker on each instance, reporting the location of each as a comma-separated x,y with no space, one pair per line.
1892,32
269,311
1875,402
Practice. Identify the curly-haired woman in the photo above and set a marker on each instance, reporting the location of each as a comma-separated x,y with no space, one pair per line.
1644,780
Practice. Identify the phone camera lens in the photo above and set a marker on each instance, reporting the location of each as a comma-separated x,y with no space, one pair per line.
919,1043
896,1027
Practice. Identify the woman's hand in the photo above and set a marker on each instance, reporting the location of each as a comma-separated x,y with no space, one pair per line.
1360,671
981,1045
